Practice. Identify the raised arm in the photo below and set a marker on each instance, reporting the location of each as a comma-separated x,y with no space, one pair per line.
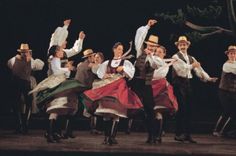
140,36
77,46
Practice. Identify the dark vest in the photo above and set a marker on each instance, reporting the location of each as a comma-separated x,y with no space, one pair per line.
228,82
174,74
112,70
22,69
84,74
143,69
175,78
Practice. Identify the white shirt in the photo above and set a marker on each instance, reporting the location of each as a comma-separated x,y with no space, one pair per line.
183,69
128,68
36,64
229,67
57,69
140,36
59,36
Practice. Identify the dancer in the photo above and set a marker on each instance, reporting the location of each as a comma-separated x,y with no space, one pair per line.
227,92
182,87
111,97
21,66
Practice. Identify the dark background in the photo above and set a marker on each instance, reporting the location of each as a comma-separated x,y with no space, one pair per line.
106,22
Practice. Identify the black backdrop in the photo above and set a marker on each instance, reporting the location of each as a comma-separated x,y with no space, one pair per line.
104,22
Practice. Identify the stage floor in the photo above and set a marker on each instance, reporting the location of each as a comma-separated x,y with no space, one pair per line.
134,144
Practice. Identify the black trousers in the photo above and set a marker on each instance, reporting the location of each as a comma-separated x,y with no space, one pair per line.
145,93
228,103
183,93
21,87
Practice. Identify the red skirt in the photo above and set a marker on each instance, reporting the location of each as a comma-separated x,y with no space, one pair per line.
114,98
164,97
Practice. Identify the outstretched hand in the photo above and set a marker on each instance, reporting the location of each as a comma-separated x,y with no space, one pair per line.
213,79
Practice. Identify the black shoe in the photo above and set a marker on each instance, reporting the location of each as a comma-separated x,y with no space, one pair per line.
149,140
50,139
105,140
66,136
94,131
190,140
57,137
179,138
159,140
112,141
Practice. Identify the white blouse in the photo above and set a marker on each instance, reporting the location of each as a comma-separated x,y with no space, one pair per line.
59,36
162,71
57,69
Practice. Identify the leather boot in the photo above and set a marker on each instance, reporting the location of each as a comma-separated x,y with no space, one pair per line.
49,136
107,126
69,128
114,128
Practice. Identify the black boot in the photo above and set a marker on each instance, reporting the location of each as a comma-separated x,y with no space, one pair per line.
114,128
57,131
150,133
26,118
69,128
106,127
19,124
130,121
158,137
49,136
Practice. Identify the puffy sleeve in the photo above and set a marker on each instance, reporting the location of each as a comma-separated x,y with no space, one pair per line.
37,64
11,62
75,49
140,36
59,36
57,70
102,69
200,72
129,69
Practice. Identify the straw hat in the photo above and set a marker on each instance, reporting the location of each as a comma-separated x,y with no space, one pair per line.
182,39
152,40
24,47
231,48
87,53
